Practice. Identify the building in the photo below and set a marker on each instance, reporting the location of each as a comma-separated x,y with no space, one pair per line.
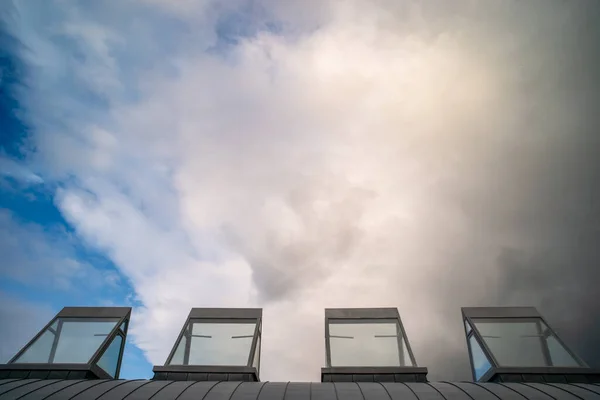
514,355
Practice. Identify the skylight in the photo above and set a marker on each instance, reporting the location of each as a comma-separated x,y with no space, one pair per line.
513,339
366,338
216,341
92,336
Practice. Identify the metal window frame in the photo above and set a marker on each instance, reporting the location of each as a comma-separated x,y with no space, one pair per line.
220,315
509,314
364,315
82,314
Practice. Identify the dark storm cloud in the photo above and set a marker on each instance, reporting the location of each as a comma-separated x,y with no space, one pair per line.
543,185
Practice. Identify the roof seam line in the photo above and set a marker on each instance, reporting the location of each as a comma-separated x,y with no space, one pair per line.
459,388
384,388
205,394
436,389
484,388
516,391
564,390
68,386
20,386
159,389
189,386
141,386
234,390
361,392
533,387
261,388
94,385
41,387
584,388
409,388
114,387
285,390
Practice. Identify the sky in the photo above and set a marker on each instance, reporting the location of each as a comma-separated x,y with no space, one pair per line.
298,155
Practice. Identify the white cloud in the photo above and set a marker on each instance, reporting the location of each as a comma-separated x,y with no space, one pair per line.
351,163
15,170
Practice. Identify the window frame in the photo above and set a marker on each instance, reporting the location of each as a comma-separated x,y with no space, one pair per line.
219,316
82,314
471,315
367,316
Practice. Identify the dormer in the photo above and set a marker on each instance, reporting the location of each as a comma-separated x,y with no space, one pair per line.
516,344
216,344
78,343
368,345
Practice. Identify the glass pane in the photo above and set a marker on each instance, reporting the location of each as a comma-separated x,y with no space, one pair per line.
217,344
467,327
480,363
559,355
39,351
79,340
123,326
364,344
516,343
110,358
180,352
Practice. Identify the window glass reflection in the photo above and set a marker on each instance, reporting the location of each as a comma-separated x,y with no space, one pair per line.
78,341
110,359
368,343
525,342
480,363
223,343
39,351
559,355
68,341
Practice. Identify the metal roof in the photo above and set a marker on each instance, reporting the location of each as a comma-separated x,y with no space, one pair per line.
36,389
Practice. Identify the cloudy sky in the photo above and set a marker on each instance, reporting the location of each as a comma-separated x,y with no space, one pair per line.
297,155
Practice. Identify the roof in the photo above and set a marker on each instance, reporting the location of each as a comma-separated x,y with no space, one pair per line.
36,389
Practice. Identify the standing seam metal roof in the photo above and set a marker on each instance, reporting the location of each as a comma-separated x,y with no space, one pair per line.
36,389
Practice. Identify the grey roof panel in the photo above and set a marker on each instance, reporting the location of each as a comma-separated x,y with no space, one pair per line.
373,391
273,391
222,391
24,390
552,391
501,391
49,390
298,391
72,390
247,391
16,384
399,391
35,389
5,381
149,390
94,392
592,388
348,390
424,391
449,392
475,391
170,391
198,390
323,391
527,391
577,391
122,391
